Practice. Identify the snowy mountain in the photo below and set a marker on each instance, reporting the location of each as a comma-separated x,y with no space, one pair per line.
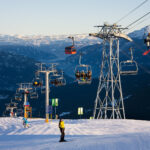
80,39
51,48
43,48
12,72
37,40
140,34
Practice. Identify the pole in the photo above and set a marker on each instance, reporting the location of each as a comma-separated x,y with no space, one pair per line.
11,112
47,96
112,78
51,113
55,112
25,101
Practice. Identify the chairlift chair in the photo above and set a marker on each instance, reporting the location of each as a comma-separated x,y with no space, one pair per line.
56,74
83,73
26,92
70,49
59,80
42,89
18,97
34,95
37,82
147,42
129,67
19,112
13,104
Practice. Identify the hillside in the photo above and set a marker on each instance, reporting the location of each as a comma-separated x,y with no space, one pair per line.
135,88
135,91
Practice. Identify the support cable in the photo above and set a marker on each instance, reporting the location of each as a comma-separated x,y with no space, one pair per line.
138,20
131,11
137,24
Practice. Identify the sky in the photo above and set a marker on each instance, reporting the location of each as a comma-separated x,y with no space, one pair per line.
58,17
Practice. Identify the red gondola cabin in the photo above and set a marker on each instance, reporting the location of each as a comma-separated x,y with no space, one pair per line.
70,50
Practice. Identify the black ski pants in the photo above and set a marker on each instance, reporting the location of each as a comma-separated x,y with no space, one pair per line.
62,130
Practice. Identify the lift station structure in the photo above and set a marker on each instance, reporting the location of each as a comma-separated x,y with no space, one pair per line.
109,100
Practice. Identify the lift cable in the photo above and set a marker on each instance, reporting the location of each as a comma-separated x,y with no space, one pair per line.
131,11
138,19
137,24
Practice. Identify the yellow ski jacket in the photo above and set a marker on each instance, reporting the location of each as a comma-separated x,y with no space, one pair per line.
61,124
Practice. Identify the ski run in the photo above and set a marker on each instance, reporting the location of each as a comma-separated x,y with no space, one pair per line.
80,134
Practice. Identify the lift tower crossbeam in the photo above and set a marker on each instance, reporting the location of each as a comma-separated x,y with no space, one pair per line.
109,100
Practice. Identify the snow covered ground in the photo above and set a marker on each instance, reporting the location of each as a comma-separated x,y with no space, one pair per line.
80,134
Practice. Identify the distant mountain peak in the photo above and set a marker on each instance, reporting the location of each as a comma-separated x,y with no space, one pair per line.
80,39
139,33
37,40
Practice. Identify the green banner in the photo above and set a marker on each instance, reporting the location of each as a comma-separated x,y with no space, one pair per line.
54,102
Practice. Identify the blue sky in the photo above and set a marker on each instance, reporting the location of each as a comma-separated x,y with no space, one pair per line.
49,17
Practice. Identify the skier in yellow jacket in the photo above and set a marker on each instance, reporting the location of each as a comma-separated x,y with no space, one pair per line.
62,130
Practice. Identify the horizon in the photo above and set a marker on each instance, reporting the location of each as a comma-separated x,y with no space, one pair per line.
54,35
35,17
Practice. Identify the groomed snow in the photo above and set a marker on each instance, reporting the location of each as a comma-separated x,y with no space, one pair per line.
80,134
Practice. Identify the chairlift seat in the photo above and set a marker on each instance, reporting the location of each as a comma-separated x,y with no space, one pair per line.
37,83
59,82
83,74
42,90
131,67
82,82
34,95
18,97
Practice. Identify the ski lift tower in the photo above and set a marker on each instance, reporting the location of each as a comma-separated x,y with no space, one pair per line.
11,106
25,88
47,69
109,100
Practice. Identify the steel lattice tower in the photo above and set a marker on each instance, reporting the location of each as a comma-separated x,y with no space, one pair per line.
109,100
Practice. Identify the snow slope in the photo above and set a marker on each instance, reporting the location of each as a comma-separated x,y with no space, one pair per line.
81,135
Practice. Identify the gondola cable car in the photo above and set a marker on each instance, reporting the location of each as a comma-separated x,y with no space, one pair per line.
70,49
